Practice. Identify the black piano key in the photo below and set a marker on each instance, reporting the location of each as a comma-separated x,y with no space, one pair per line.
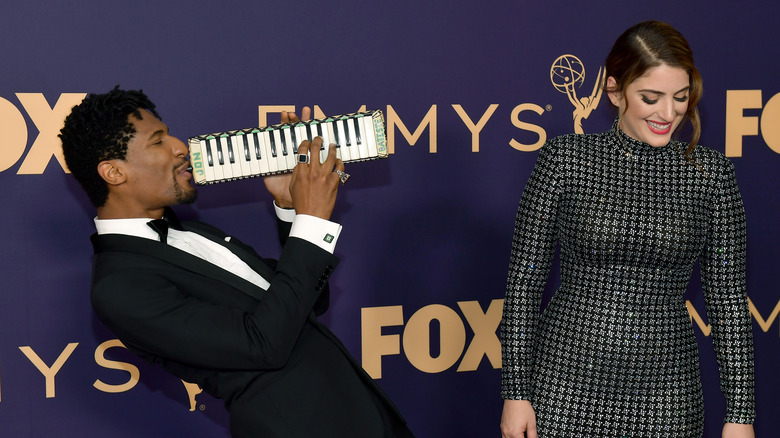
273,143
346,132
220,158
209,156
359,140
231,157
331,127
309,132
257,143
284,141
315,132
246,145
336,132
294,140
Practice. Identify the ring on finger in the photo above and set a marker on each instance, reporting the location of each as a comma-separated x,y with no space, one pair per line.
343,176
303,159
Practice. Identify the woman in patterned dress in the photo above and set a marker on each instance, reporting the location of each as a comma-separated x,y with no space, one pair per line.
632,209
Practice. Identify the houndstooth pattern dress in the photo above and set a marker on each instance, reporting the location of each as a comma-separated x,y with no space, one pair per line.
614,353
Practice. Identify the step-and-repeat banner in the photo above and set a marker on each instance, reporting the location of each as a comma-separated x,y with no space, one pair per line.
470,91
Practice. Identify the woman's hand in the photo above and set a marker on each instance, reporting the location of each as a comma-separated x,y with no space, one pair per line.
736,430
518,419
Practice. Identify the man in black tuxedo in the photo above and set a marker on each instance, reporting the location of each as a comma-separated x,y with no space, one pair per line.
202,304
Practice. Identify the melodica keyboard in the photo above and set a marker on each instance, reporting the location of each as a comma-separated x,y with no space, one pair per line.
247,153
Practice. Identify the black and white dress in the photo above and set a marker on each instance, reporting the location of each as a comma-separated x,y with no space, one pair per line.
614,353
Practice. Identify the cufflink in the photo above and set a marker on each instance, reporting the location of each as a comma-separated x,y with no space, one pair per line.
328,238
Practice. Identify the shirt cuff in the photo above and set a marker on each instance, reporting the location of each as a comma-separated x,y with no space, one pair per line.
284,214
320,232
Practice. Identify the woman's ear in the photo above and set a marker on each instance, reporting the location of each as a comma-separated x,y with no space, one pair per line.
616,97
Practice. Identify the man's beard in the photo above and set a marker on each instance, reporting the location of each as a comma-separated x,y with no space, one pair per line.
184,196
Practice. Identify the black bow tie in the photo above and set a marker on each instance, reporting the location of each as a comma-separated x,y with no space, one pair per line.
160,226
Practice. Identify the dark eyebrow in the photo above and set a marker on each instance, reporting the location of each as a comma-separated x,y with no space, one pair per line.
661,93
158,133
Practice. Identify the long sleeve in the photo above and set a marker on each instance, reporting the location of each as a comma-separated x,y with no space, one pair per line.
723,280
167,306
283,227
533,248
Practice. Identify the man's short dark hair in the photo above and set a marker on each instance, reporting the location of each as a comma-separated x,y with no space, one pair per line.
98,129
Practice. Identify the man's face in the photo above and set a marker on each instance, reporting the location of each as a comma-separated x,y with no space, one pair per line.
156,165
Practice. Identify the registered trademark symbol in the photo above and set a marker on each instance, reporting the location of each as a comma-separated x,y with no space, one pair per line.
548,107
202,407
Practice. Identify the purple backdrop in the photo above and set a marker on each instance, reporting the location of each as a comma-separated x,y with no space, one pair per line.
427,232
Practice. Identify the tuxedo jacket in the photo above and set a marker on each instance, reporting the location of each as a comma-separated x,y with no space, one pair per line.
279,371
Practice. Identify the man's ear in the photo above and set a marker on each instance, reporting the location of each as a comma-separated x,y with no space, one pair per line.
111,172
614,96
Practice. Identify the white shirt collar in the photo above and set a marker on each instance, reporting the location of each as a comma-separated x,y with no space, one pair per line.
132,227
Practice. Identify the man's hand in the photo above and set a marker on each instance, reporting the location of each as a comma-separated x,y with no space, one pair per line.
279,185
313,186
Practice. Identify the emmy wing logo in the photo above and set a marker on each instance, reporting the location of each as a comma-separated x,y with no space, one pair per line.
567,74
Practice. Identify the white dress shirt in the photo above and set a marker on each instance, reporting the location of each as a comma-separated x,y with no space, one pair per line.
320,232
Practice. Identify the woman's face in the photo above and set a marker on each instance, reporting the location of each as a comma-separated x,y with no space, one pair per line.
653,105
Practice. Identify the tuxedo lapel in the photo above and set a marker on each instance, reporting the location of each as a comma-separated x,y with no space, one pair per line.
122,243
245,253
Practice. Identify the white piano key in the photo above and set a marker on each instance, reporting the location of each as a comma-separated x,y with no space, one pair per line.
370,137
273,164
327,130
281,158
357,150
300,135
360,132
227,166
215,158
262,162
326,138
235,157
281,161
242,153
310,135
287,148
322,132
296,139
338,133
254,167
316,131
346,145
208,168
219,157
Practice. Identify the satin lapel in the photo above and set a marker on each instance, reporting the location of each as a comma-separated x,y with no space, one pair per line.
239,249
121,243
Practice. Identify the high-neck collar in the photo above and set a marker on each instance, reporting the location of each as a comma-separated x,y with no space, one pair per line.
637,147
